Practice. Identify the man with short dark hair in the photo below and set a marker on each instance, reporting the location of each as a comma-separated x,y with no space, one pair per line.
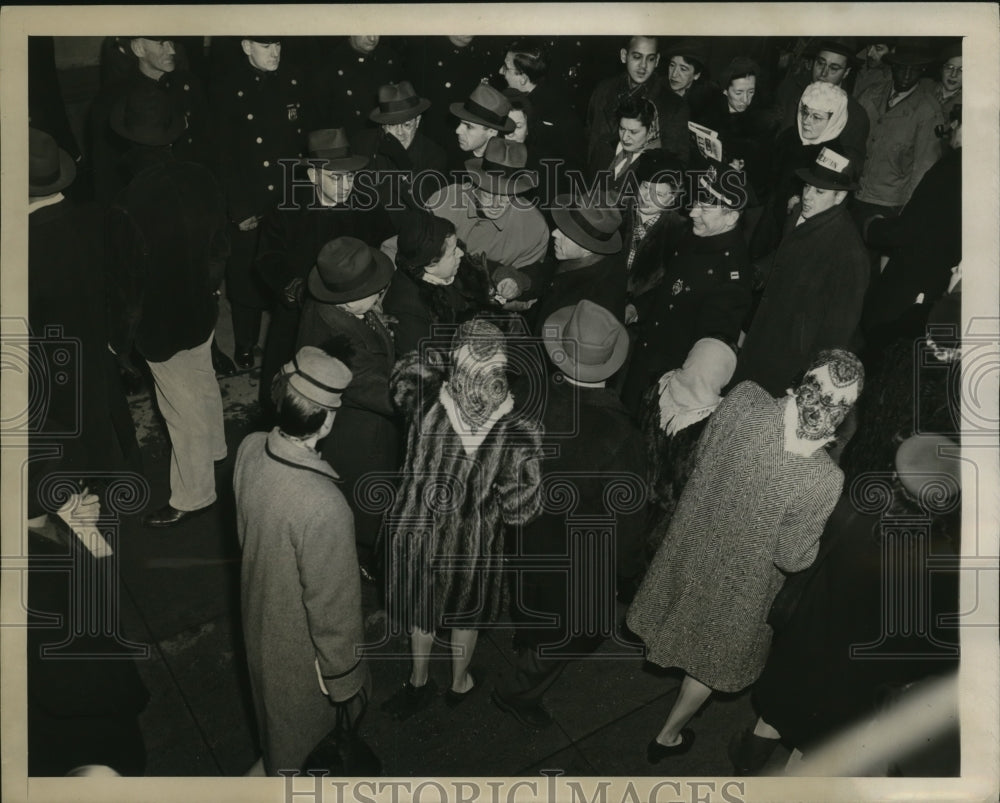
875,70
482,116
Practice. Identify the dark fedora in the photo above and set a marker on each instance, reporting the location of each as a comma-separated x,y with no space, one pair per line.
585,341
146,115
398,103
594,226
50,168
830,171
348,269
329,149
485,106
844,45
262,40
911,53
502,169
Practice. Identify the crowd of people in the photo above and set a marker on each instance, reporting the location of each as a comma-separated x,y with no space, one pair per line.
648,307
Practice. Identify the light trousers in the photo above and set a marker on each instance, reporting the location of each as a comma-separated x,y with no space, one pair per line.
191,403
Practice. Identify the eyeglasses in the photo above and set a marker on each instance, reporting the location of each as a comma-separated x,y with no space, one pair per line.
817,117
952,70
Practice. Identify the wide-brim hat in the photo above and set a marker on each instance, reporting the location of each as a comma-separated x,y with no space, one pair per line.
329,149
595,227
502,169
912,53
486,106
585,341
348,269
50,168
398,103
146,115
830,171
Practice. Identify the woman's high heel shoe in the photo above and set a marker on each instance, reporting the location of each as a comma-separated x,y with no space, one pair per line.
655,751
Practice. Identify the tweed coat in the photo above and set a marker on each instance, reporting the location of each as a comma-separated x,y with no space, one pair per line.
301,593
750,511
448,527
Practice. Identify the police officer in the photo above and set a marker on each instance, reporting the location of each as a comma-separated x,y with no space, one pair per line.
345,87
259,122
706,289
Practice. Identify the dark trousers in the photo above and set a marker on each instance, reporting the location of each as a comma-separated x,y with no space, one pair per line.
532,677
862,212
246,292
282,332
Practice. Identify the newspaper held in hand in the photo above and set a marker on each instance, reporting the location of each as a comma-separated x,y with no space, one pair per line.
707,141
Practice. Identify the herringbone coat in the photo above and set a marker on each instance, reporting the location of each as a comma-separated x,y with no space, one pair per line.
750,511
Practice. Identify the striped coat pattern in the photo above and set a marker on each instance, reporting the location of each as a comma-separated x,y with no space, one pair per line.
704,602
448,525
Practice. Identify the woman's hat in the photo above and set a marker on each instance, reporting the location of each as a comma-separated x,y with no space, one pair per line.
485,106
317,376
657,164
50,168
330,150
830,171
421,238
585,341
911,53
690,50
502,170
348,269
147,116
398,103
595,226
929,466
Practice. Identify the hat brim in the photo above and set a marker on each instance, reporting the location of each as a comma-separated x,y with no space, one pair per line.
401,116
825,183
458,109
571,229
500,185
155,138
553,339
379,278
67,174
909,59
346,164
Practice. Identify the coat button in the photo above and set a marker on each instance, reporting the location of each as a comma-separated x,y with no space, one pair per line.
239,93
709,271
267,164
186,88
260,140
298,130
340,72
270,187
671,306
440,64
249,116
725,253
447,84
295,82
349,93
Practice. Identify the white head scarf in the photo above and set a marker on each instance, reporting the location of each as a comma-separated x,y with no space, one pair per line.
824,97
691,393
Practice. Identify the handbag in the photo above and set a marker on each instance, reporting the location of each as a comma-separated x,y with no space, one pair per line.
342,752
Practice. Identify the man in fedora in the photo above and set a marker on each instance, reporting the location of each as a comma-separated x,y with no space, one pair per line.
66,307
591,444
167,248
301,596
321,205
346,78
705,290
489,216
260,119
398,144
903,144
344,290
589,261
482,116
815,282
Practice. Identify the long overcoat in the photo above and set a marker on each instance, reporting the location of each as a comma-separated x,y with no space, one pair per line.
301,594
704,602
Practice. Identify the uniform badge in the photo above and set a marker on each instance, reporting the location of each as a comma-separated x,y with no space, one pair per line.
293,111
678,286
734,274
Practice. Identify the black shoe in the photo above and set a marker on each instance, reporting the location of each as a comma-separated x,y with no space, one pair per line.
222,365
168,516
655,751
409,700
531,716
749,752
453,698
244,358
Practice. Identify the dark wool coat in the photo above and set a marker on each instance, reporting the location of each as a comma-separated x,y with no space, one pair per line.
448,527
660,242
598,278
167,245
555,128
602,122
813,686
597,459
705,293
301,594
812,300
924,243
704,602
364,438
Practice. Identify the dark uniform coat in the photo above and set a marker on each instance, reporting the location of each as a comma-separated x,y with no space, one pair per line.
344,88
705,293
364,437
812,300
300,591
704,602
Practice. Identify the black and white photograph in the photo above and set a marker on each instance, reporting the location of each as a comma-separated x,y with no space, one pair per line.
600,405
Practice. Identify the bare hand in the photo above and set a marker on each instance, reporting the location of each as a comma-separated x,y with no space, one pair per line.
791,202
81,510
631,314
250,223
507,289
